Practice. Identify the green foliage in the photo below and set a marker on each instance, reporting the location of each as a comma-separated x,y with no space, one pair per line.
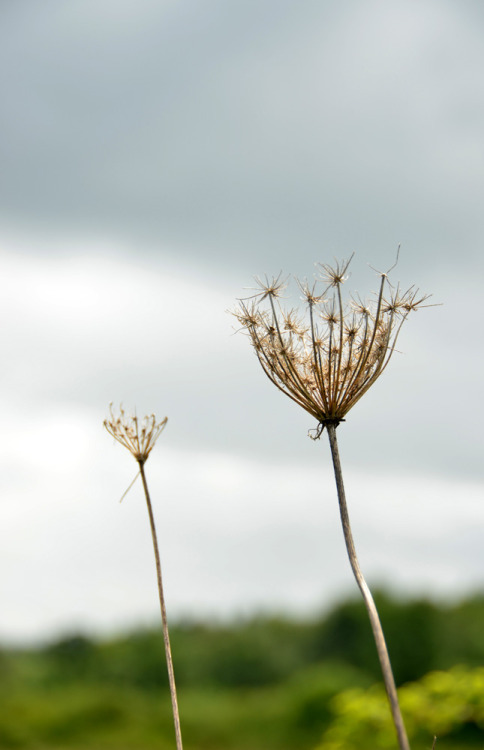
461,633
411,631
257,653
312,690
267,683
448,705
82,717
268,718
71,658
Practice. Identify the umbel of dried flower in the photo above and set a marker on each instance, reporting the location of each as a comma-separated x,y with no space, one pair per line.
326,360
138,438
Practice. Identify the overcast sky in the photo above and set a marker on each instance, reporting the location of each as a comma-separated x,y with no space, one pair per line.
155,157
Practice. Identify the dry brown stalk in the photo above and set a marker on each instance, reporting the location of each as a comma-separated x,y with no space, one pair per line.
325,362
140,439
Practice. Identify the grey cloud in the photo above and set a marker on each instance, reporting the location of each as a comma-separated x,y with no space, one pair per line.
252,138
251,135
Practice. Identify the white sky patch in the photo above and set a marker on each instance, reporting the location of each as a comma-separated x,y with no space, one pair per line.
236,535
84,316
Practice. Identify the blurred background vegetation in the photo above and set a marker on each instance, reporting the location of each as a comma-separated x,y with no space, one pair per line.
261,684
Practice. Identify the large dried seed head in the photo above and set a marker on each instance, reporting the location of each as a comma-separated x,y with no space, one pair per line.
138,438
326,362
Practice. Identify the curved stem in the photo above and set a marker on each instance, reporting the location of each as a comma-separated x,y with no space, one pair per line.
166,636
367,597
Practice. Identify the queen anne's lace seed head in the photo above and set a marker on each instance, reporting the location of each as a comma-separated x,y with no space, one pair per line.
138,437
326,362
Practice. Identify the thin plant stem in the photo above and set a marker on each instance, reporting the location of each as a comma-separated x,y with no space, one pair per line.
166,636
367,596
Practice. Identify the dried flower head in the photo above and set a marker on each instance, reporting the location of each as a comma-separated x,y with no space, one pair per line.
138,438
327,363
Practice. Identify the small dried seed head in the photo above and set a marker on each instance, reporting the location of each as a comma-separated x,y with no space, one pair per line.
138,438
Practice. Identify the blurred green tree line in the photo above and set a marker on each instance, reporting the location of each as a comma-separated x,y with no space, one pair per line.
259,683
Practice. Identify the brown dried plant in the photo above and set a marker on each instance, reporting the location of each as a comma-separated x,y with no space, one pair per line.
325,361
139,439
328,360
